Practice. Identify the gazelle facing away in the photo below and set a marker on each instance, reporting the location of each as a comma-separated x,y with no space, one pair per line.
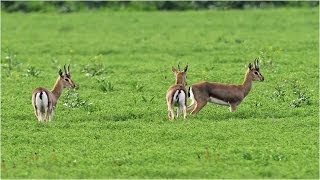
177,94
44,101
223,94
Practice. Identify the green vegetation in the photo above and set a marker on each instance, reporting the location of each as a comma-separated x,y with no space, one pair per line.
114,125
76,6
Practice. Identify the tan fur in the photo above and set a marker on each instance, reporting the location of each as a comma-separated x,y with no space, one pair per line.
178,86
231,94
64,80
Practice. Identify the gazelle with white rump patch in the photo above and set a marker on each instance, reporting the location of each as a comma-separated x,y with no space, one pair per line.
221,93
177,93
44,101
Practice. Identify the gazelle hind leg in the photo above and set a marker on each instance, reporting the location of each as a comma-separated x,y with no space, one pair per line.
184,107
51,115
47,114
199,106
191,107
178,111
36,112
41,116
170,111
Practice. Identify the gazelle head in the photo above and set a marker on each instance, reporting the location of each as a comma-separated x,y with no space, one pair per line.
181,76
65,77
254,71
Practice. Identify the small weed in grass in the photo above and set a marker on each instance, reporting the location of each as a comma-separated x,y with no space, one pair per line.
270,53
247,156
302,97
73,100
291,92
279,93
94,68
32,72
144,99
105,85
138,87
10,63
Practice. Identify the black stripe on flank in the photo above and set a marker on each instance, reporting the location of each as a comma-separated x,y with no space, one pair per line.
189,91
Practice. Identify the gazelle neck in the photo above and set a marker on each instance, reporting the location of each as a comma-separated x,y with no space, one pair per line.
247,83
180,81
57,88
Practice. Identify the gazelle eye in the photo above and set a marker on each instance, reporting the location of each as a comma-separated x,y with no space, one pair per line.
256,72
66,79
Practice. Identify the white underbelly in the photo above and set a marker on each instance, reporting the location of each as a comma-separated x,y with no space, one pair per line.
218,101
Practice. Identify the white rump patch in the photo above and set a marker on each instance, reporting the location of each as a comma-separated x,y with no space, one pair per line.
179,98
191,95
218,101
42,103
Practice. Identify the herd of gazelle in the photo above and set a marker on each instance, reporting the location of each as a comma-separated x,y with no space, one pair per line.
203,92
44,101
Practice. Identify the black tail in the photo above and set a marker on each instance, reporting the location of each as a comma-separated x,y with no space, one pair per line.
179,91
173,97
189,91
40,96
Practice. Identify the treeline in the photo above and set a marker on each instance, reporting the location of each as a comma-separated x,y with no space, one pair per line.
74,6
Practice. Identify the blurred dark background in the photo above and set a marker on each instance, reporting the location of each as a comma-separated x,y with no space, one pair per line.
74,6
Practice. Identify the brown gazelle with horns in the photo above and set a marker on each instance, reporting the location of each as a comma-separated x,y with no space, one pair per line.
44,101
177,93
223,94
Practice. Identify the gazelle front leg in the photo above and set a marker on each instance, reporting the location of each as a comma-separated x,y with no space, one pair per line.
233,107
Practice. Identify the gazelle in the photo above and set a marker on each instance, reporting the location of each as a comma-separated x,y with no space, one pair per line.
223,94
177,93
44,101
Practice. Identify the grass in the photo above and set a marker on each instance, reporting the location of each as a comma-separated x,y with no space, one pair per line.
115,124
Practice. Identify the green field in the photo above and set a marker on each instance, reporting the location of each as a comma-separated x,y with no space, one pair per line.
114,125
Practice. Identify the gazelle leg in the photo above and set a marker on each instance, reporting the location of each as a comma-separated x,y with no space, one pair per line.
35,111
232,107
41,116
178,111
51,115
47,114
170,111
184,111
191,107
199,106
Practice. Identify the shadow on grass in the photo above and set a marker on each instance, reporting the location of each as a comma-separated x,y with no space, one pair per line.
243,115
122,117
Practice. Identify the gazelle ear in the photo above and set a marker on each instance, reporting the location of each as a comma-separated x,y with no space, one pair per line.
250,66
60,72
174,69
186,68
